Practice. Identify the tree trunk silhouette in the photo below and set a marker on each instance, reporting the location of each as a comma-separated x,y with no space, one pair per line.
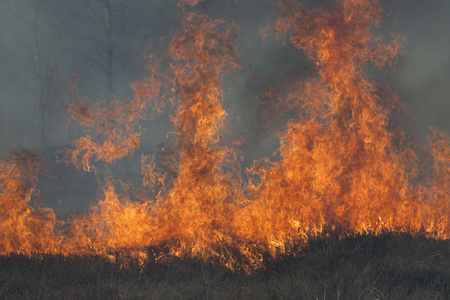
109,47
38,73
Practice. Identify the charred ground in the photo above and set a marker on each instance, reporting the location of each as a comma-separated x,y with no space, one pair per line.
388,266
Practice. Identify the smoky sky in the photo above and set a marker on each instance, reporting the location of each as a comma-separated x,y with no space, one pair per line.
46,44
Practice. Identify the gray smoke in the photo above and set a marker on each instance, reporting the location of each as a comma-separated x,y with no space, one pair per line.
46,44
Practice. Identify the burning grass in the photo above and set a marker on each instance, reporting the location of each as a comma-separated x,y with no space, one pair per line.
342,168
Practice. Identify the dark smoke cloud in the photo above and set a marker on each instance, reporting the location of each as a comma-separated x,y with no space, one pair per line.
69,39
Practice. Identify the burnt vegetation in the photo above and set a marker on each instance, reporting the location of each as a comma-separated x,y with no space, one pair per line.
387,266
339,213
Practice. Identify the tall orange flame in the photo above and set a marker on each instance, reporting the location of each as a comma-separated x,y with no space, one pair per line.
196,213
24,229
342,167
194,216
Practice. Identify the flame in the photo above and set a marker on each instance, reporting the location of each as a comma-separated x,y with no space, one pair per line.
24,229
188,2
342,167
115,124
194,216
196,213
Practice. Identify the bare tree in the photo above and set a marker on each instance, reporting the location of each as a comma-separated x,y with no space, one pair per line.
109,34
38,69
29,14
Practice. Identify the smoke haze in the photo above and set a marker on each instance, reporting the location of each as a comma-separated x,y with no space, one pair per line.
45,45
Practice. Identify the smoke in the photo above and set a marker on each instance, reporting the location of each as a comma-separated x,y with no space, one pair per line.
44,48
280,124
421,74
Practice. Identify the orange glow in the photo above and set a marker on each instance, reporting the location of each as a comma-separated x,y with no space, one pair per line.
24,229
341,165
196,213
115,124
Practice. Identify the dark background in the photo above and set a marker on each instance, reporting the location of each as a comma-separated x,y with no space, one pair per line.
46,44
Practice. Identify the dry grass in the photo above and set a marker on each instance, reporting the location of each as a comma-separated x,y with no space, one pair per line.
391,266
